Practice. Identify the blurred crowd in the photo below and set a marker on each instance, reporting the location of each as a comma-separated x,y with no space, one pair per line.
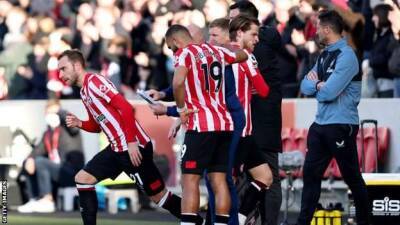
123,40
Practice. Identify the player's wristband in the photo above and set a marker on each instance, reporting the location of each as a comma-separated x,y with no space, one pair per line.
181,110
171,111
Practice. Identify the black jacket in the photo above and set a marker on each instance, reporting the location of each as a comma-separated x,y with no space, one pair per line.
70,143
380,55
266,112
265,52
394,60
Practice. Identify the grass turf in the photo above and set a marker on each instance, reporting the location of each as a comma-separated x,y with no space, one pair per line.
36,220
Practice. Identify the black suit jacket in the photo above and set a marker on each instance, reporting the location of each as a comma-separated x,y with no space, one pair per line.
266,112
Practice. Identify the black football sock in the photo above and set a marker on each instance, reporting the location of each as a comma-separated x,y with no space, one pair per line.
221,219
88,203
189,219
172,203
252,196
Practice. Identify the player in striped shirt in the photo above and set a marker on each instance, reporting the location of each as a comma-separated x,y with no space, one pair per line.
198,84
130,149
243,32
248,81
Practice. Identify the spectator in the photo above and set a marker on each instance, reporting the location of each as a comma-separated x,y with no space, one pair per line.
93,24
104,21
266,9
16,45
85,14
59,41
46,25
394,60
111,61
287,22
57,159
41,7
88,39
127,22
3,85
303,39
380,53
30,80
5,7
214,9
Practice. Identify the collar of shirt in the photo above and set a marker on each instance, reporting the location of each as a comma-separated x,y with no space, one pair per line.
339,44
85,79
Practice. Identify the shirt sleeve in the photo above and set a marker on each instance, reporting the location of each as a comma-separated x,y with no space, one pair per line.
169,94
90,125
252,66
308,87
229,56
346,68
128,117
102,87
182,58
253,74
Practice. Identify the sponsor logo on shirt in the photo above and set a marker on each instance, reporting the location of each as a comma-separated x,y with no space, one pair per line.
101,118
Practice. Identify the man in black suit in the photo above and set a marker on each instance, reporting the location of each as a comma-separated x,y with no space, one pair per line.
266,112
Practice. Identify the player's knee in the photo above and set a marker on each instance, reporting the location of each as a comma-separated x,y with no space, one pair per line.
265,179
83,177
190,180
261,184
262,174
216,179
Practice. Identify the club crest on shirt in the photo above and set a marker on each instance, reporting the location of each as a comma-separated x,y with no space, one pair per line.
103,88
253,60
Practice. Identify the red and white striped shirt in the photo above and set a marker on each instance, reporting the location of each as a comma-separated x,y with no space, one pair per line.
96,93
204,86
247,77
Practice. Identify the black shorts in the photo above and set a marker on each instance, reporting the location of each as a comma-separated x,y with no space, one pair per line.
110,164
248,154
205,151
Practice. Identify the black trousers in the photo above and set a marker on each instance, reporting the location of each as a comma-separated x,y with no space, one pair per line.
267,125
325,142
270,207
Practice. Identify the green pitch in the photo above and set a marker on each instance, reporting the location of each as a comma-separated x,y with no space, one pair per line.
30,220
